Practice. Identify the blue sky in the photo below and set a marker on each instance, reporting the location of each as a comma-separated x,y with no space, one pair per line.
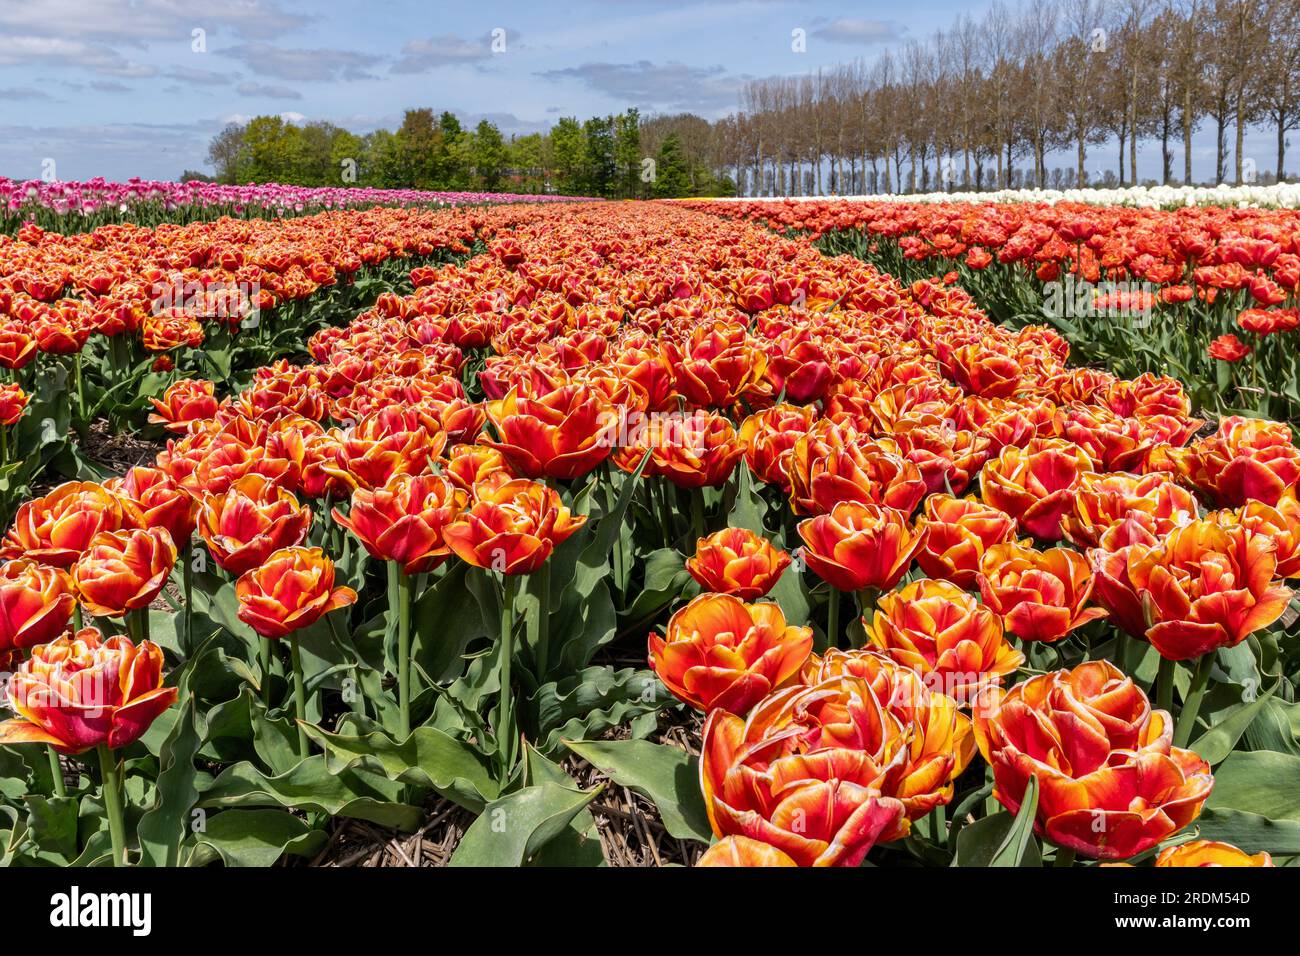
123,87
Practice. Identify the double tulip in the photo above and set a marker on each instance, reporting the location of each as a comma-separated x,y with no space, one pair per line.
1036,484
253,518
958,532
292,589
942,632
857,546
512,527
36,603
738,562
404,520
1111,785
81,691
123,571
564,433
720,652
1041,595
1203,587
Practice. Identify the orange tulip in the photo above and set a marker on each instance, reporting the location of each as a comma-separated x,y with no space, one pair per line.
252,519
183,402
828,466
1281,524
124,570
467,465
290,590
1110,783
1247,459
958,531
737,562
512,527
941,740
1040,594
719,652
717,365
151,499
13,401
1103,501
692,451
951,639
36,603
1210,853
808,772
564,433
80,691
859,546
56,528
946,458
404,520
1036,484
769,437
734,851
1203,587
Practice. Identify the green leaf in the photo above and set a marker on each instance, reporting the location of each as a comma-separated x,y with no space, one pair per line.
427,758
312,787
444,620
580,844
666,776
513,829
1251,832
1216,743
1001,839
254,838
163,828
1259,781
748,509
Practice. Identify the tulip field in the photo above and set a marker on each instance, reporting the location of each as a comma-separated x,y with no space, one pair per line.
746,533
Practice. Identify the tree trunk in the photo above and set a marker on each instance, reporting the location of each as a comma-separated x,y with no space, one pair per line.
1187,134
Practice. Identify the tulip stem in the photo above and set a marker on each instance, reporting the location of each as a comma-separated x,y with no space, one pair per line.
665,515
1064,857
403,650
56,768
111,787
265,658
299,698
697,512
543,618
4,446
187,586
1192,705
505,732
833,619
1165,685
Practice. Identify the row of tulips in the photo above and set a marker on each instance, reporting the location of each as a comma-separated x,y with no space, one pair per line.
410,565
1205,293
69,206
93,326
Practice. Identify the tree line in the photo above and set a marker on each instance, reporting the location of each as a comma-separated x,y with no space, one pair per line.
619,156
966,107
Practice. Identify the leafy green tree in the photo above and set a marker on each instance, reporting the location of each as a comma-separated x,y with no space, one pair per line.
672,174
568,147
488,153
627,152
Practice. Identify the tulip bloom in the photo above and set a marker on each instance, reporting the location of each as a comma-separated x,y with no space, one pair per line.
564,433
1040,594
1247,459
1280,524
859,546
830,466
737,562
692,451
1111,785
13,401
124,571
290,590
769,437
151,499
820,772
1203,587
80,691
1036,484
512,528
736,851
56,528
404,520
951,639
958,532
722,653
1209,853
252,519
1103,501
186,401
36,603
